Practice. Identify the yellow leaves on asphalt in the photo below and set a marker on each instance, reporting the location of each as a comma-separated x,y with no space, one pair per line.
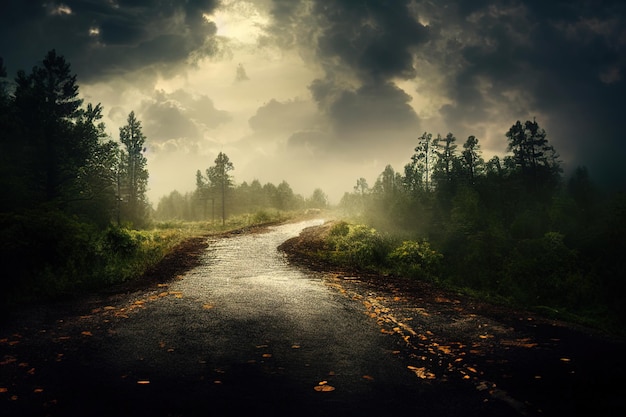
295,346
267,355
422,372
444,349
323,386
207,306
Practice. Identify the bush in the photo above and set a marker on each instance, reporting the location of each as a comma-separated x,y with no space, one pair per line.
357,246
416,259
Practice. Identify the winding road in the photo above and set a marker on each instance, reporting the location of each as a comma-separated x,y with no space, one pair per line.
247,333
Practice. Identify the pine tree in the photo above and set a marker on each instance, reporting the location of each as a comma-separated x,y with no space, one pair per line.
133,171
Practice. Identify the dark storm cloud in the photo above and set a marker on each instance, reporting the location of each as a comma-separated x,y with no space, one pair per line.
362,46
376,39
105,37
371,107
563,62
565,59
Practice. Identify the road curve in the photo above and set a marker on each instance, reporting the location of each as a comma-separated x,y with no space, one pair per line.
245,333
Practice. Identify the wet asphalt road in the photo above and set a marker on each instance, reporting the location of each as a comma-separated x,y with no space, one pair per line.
244,334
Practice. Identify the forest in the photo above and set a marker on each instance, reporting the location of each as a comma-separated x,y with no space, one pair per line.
74,214
514,229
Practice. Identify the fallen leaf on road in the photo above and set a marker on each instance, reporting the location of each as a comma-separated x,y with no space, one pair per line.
38,390
267,355
422,372
368,377
323,387
143,382
86,333
295,346
207,306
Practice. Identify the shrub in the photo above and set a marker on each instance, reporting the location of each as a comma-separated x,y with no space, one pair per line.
416,259
357,245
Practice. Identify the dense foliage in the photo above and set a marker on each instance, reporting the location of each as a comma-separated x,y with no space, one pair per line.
67,187
512,228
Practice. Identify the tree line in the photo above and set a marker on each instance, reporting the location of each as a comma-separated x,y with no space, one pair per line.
56,155
512,226
71,195
217,196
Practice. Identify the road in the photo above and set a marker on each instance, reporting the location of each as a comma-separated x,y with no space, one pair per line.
247,333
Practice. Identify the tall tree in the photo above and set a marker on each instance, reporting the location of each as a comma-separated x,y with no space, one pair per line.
318,199
424,159
471,158
47,106
134,172
361,186
533,155
446,153
220,178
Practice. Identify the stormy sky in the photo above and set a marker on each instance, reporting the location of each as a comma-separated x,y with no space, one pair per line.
322,92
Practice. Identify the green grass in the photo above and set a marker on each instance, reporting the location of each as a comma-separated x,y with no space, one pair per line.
56,257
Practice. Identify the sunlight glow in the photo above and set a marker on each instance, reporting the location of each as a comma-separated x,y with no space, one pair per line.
239,20
59,10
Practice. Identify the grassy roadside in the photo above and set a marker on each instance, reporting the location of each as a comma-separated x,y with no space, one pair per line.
359,249
58,258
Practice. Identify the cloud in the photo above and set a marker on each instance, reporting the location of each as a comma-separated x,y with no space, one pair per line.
339,83
283,118
179,115
109,38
